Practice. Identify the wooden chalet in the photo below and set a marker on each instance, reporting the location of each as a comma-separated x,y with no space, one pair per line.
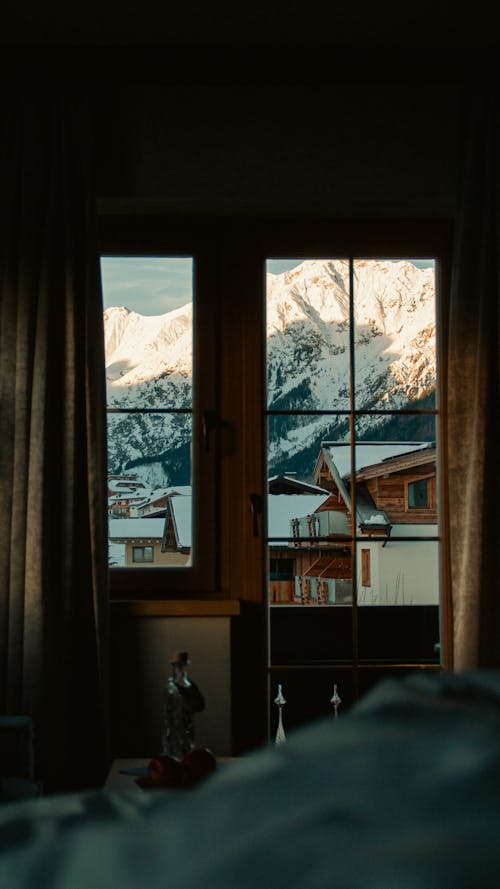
396,514
395,483
310,527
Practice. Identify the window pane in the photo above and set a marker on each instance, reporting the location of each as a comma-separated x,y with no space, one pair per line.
150,450
142,554
396,463
309,573
312,635
307,335
398,614
149,477
312,485
148,321
148,328
418,494
395,333
294,442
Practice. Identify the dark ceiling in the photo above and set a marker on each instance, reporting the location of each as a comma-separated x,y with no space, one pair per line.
288,41
259,24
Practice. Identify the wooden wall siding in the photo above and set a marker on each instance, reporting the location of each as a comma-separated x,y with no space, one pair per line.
323,477
304,558
281,591
334,503
390,494
340,568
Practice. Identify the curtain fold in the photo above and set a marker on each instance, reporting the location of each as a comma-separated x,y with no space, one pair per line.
53,566
473,396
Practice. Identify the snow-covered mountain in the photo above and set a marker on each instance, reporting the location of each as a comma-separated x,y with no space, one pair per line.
149,362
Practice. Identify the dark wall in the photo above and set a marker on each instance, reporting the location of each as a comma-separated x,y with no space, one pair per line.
380,149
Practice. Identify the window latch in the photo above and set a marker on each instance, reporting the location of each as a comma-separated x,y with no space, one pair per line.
208,424
256,508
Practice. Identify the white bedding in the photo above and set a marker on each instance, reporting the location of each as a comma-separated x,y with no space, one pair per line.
404,791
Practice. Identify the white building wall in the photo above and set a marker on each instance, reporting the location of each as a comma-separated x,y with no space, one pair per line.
333,522
402,572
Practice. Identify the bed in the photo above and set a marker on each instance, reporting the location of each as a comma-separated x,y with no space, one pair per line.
403,791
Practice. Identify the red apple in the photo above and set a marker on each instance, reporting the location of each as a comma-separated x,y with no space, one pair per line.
198,764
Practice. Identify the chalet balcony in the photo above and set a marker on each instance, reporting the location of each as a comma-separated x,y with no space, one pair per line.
321,524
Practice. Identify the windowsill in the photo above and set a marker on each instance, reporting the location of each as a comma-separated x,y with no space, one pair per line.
177,607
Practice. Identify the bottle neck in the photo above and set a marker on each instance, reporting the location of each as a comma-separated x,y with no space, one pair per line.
179,675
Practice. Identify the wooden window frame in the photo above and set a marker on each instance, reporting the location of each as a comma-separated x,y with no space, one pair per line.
401,240
236,472
134,235
431,494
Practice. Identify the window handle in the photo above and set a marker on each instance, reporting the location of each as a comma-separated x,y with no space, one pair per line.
256,508
208,424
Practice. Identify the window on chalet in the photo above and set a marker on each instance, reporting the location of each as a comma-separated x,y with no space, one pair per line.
142,553
282,569
420,493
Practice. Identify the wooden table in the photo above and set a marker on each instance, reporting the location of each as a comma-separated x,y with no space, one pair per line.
117,781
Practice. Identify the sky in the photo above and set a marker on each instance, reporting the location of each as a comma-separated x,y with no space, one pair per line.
147,284
156,285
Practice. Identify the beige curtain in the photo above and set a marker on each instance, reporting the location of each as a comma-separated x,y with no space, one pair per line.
473,397
53,576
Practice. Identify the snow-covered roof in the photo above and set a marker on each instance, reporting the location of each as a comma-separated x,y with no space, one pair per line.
136,528
295,484
369,454
182,490
282,508
158,493
180,508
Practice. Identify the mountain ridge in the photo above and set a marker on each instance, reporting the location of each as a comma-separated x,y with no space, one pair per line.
149,361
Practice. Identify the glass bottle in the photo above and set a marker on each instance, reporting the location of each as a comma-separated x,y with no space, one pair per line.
181,700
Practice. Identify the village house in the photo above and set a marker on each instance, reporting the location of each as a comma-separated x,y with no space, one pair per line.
309,528
155,505
125,492
395,498
155,533
140,542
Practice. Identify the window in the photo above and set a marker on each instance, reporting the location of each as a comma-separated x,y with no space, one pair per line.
418,495
161,370
148,330
281,569
142,554
336,453
421,493
352,410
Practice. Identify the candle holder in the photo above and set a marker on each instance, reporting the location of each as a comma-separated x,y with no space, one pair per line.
336,700
280,702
